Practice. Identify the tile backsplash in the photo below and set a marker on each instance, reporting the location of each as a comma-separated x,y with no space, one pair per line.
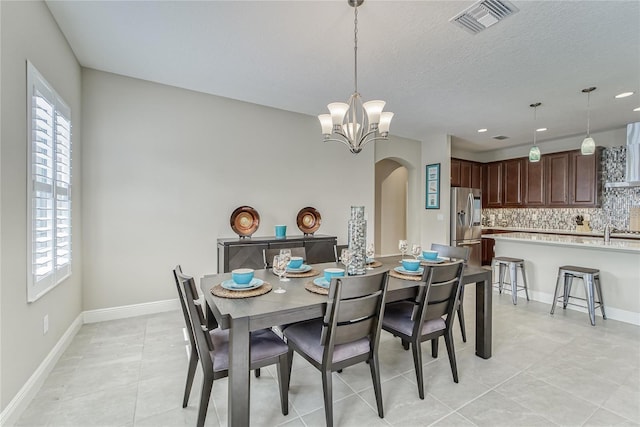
615,204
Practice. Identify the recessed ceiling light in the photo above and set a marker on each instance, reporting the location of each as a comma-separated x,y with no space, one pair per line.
541,129
636,109
623,95
481,130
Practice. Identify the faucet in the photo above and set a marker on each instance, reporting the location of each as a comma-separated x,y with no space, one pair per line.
607,233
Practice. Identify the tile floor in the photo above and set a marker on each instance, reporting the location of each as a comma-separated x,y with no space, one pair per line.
546,370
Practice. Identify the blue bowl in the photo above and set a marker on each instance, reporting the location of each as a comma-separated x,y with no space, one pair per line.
296,262
242,276
333,272
430,255
411,264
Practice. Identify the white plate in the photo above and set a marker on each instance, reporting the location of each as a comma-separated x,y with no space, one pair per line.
321,281
432,261
233,286
302,269
402,270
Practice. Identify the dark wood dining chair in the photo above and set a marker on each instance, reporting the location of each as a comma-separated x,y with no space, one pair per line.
337,251
349,332
268,254
455,253
429,316
212,347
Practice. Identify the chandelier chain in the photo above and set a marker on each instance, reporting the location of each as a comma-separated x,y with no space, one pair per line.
355,47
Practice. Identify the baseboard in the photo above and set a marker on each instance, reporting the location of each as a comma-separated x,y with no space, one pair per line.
23,398
612,312
123,312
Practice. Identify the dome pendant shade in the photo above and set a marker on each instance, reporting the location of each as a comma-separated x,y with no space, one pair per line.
588,146
534,154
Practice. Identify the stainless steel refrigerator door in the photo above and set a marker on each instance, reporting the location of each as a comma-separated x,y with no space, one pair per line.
475,257
466,213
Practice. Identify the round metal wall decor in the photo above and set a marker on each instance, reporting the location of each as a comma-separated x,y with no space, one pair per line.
308,220
245,221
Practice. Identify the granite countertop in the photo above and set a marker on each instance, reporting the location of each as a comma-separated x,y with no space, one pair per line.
592,233
570,240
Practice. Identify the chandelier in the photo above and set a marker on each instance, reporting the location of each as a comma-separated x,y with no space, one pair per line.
355,123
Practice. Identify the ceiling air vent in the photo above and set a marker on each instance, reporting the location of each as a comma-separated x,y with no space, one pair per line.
483,14
500,137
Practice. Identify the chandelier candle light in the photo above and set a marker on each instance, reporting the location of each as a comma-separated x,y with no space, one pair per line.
588,144
534,152
355,123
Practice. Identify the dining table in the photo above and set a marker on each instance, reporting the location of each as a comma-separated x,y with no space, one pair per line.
296,304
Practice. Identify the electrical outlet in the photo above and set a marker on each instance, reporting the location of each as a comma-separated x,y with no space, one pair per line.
534,217
440,217
45,324
499,217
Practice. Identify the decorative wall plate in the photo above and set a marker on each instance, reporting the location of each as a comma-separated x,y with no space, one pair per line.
245,221
308,220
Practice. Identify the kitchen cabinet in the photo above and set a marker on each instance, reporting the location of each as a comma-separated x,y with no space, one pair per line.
585,178
493,185
247,253
513,182
557,177
455,173
534,183
465,173
488,251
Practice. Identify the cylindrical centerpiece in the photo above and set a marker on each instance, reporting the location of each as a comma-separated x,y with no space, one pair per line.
357,241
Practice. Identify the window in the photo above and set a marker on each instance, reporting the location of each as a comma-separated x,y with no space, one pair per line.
49,190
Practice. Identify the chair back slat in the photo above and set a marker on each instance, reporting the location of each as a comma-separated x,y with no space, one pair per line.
350,332
357,308
185,309
354,311
204,345
337,251
268,254
452,252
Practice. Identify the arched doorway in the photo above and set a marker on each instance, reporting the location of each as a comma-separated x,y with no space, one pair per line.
391,199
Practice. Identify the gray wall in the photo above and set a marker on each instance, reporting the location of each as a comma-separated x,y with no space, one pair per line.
164,168
28,31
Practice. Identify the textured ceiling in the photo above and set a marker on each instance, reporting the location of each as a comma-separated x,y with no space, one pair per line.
435,77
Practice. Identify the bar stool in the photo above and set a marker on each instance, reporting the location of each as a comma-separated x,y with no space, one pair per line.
512,264
589,276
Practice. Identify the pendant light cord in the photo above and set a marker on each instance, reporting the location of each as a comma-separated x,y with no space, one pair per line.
588,113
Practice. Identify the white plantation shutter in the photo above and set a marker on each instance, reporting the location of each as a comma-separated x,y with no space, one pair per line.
49,123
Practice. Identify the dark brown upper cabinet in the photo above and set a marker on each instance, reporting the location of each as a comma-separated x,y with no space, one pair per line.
513,182
557,177
494,185
585,178
534,183
455,173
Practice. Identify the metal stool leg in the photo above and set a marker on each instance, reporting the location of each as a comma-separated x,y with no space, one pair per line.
568,280
555,293
501,271
513,275
524,280
599,291
588,287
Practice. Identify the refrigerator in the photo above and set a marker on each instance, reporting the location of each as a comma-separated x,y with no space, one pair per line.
466,216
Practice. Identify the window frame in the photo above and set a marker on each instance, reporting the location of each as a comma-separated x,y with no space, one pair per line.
49,186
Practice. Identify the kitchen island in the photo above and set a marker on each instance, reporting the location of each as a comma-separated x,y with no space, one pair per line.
617,260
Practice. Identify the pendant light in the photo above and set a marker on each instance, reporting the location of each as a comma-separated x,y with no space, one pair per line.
534,152
588,144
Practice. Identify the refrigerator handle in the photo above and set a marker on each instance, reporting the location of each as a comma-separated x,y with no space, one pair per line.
470,208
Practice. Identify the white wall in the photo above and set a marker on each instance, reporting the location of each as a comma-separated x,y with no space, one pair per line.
435,222
28,31
166,167
391,206
611,138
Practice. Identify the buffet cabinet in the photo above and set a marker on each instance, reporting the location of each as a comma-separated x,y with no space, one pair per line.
247,253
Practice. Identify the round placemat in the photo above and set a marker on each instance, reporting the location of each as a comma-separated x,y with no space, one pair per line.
312,287
397,275
374,264
221,292
310,273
